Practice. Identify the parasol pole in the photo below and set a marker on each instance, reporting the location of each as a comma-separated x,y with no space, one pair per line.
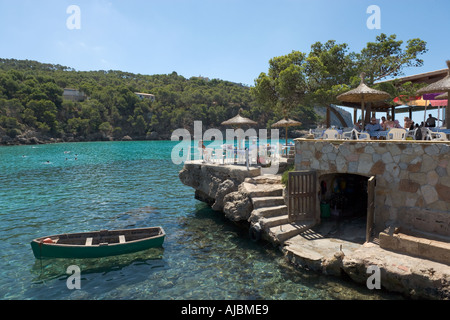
362,115
439,109
425,113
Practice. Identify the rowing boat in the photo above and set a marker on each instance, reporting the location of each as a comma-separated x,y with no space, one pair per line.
97,243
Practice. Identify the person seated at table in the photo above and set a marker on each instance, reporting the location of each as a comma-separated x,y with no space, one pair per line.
383,121
409,124
358,125
373,127
397,124
388,124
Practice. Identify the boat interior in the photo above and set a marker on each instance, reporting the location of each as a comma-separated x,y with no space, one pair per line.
104,237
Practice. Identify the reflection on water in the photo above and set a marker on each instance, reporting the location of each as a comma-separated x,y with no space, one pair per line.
131,185
51,268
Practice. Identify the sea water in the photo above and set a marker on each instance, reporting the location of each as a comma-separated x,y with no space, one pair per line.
76,187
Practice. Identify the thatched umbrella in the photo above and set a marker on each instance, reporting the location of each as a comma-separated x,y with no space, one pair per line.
239,121
286,123
363,94
442,85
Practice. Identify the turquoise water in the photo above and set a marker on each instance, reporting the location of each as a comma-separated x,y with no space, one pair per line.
63,188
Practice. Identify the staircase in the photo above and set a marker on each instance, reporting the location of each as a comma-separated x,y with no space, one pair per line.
270,213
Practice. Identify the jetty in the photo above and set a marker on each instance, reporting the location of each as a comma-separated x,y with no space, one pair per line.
391,212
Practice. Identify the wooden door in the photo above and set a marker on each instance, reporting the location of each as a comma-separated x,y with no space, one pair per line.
302,196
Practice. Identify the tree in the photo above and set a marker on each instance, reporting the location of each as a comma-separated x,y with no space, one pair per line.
105,128
296,82
386,58
139,125
284,86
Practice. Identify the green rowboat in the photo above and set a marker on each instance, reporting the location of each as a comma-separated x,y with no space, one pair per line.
97,243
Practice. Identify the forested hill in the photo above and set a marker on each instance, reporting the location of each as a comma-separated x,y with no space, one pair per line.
32,104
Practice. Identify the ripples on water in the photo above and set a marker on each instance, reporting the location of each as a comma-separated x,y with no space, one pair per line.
114,185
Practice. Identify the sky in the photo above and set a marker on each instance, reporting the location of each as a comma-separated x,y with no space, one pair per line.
231,40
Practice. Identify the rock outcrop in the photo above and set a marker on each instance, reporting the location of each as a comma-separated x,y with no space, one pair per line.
219,187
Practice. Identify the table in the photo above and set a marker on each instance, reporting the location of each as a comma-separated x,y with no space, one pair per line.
446,131
379,134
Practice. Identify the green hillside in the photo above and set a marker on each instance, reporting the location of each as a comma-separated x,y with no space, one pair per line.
32,104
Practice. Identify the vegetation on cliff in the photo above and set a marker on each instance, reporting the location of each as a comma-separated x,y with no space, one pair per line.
31,100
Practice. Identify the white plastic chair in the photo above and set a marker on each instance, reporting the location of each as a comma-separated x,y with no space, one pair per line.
317,133
363,135
207,153
229,153
355,135
350,135
331,134
396,134
241,156
410,134
435,136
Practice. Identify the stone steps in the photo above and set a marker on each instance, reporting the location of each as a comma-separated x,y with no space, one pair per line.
264,202
281,233
268,212
262,190
265,179
267,223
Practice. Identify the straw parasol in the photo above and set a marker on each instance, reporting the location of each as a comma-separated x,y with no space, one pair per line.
239,121
363,94
285,123
442,85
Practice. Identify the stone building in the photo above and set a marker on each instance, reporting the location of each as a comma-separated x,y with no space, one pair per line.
148,96
411,190
74,95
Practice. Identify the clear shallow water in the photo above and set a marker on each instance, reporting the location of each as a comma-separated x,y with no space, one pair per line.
63,188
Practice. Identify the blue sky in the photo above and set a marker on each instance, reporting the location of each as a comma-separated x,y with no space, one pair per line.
225,39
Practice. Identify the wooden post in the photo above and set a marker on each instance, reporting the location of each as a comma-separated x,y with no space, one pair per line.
362,116
447,113
370,207
328,117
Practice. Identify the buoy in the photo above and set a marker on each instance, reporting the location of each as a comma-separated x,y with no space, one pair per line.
47,240
255,232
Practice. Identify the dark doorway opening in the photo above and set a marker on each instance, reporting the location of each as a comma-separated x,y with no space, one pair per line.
343,206
344,194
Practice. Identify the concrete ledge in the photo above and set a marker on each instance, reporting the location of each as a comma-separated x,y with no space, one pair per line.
339,141
420,247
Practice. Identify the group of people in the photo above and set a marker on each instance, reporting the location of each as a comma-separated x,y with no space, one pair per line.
388,123
376,125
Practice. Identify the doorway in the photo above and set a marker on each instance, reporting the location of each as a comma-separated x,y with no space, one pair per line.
346,205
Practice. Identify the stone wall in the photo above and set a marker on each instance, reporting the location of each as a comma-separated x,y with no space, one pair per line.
412,178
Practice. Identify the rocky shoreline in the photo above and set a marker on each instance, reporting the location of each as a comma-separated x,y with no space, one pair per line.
35,138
